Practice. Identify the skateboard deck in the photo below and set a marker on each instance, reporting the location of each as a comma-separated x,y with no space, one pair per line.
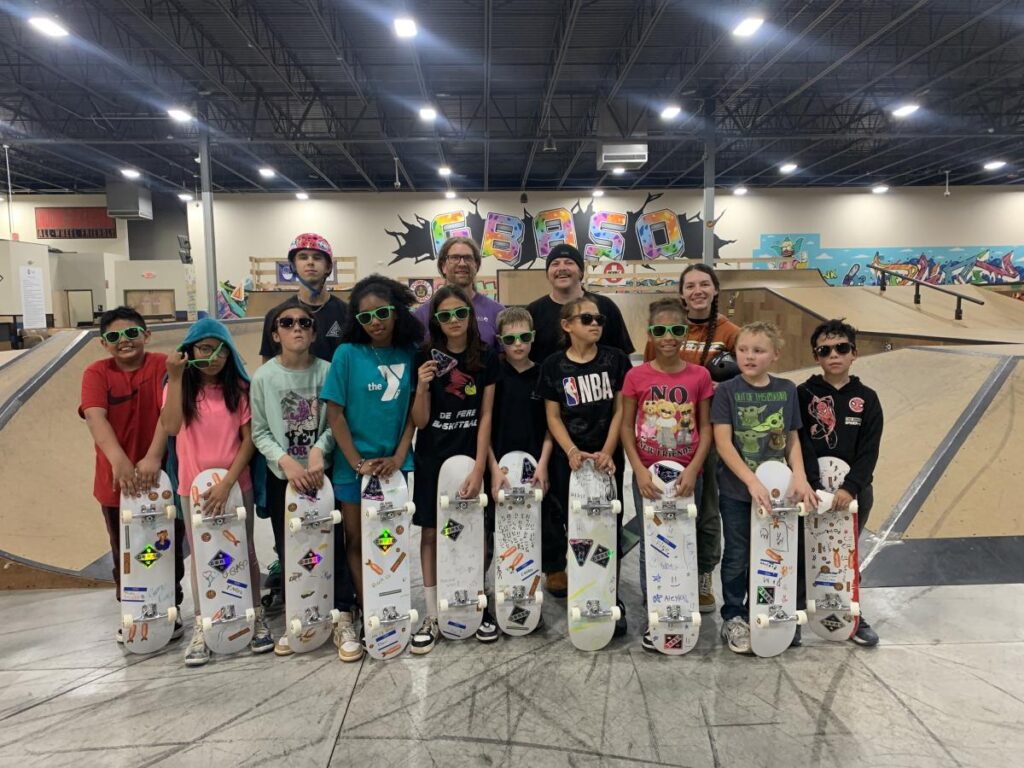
670,538
518,595
773,562
460,552
221,565
830,555
308,564
387,596
592,557
147,568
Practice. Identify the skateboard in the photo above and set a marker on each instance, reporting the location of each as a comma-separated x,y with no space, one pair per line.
518,596
309,557
147,568
670,535
221,566
830,554
460,552
592,557
387,597
773,562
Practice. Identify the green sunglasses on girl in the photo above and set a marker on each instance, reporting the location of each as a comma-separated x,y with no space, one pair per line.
448,315
678,331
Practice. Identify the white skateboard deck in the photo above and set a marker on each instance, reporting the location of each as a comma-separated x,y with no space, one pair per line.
460,552
517,552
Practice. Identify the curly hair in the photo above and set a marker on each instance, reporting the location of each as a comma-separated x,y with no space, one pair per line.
407,332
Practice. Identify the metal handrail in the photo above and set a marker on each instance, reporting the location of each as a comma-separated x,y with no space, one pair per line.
960,298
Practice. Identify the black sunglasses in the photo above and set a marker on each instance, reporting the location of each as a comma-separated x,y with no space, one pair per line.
511,338
112,337
657,331
843,348
287,322
447,315
588,318
381,313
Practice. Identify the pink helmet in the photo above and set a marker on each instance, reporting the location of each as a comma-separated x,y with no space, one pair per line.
312,242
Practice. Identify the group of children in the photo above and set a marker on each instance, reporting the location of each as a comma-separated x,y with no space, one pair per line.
357,415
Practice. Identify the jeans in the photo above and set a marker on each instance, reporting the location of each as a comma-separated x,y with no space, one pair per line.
735,556
709,520
638,503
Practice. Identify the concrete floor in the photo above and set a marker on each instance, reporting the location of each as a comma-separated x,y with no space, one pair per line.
943,689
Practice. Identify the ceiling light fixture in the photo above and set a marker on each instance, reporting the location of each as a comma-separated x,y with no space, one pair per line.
598,193
179,115
428,114
788,167
671,112
994,165
905,110
405,27
740,191
450,194
444,170
47,26
879,189
130,173
268,173
549,144
618,170
185,197
302,196
748,26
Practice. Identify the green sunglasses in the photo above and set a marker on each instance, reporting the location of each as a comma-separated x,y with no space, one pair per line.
112,337
380,313
511,338
678,331
206,362
447,315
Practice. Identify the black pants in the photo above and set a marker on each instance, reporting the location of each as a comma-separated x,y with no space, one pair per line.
865,500
112,519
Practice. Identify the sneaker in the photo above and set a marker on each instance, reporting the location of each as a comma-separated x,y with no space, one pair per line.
736,633
557,584
647,642
797,640
282,647
865,635
262,641
197,653
488,631
620,625
179,628
426,636
346,638
706,598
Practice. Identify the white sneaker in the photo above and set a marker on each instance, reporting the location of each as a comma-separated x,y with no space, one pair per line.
736,633
426,636
346,638
706,588
197,653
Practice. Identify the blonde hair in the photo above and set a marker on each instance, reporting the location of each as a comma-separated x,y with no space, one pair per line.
511,316
770,330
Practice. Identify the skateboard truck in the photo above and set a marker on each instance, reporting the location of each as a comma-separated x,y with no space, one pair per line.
148,614
387,510
833,603
800,509
519,495
592,610
777,615
390,615
295,524
670,510
228,615
461,504
597,506
313,617
518,595
461,599
200,518
674,615
148,513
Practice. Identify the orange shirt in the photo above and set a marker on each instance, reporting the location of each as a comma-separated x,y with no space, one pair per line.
724,338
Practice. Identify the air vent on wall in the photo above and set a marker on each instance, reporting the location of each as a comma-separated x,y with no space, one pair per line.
629,156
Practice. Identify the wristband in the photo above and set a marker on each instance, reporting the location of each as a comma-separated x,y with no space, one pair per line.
573,450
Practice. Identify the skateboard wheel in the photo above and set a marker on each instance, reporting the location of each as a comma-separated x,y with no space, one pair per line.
126,516
127,620
812,606
410,507
335,517
483,499
761,620
855,609
295,626
370,512
335,615
197,520
854,507
652,619
691,511
762,512
538,599
801,509
616,507
172,614
538,495
575,505
414,616
250,615
442,604
574,613
501,496
241,513
443,501
648,512
801,617
373,623
294,524
481,601
695,619
616,613
499,597
170,511
207,624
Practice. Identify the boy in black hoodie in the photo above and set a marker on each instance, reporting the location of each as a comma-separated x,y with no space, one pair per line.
841,418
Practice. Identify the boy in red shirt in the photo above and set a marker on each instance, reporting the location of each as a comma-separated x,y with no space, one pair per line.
121,399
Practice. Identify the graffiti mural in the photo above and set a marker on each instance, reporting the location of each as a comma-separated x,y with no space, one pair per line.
519,240
950,265
232,300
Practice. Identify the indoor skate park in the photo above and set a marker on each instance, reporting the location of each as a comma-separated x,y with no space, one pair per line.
653,135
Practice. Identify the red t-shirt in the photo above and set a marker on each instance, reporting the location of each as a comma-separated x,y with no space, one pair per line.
132,400
667,410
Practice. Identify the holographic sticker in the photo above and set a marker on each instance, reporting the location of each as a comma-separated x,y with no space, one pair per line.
601,555
765,595
310,560
580,549
221,561
452,529
148,556
373,491
384,541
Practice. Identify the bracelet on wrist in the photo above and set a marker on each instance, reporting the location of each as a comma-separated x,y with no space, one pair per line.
359,464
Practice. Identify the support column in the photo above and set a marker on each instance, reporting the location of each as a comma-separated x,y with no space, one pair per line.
206,185
709,180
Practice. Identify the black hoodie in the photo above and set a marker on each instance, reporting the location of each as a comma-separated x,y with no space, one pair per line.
845,423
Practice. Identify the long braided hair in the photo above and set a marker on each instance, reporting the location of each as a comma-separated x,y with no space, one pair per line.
712,324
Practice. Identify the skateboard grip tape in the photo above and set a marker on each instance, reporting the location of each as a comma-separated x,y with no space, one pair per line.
398,562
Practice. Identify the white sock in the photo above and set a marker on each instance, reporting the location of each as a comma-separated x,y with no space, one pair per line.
431,593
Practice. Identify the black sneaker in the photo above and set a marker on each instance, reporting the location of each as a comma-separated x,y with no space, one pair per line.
797,640
426,636
620,625
647,642
488,631
865,635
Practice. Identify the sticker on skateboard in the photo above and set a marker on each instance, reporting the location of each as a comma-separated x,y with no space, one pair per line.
518,595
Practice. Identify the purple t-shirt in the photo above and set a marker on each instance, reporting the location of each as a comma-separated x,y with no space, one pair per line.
485,311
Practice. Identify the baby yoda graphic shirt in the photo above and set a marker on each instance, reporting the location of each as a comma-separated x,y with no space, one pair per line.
761,419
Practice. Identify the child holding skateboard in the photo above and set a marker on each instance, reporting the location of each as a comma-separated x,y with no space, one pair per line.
121,396
581,386
755,418
452,413
368,391
842,418
666,406
206,407
289,426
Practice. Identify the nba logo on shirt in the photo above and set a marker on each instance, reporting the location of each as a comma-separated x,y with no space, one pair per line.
572,395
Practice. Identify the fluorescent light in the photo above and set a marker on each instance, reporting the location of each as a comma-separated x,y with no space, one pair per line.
671,112
739,191
748,26
994,165
302,196
198,159
788,167
405,27
618,170
905,110
268,173
598,193
130,173
450,194
185,197
879,189
179,115
428,114
47,26
444,170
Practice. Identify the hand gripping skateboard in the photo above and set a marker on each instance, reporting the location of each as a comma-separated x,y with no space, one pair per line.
670,536
460,552
830,552
147,568
592,556
308,563
221,566
773,563
387,596
518,595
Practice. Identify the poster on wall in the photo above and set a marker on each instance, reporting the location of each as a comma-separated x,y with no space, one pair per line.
75,224
33,301
423,288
